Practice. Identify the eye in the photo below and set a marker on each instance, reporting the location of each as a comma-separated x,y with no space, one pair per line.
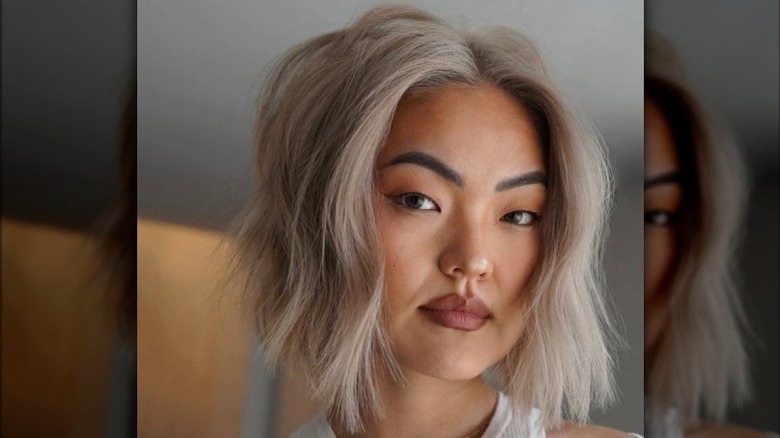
521,217
415,201
660,218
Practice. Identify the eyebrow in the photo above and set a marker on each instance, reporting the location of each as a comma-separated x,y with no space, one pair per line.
534,177
672,177
429,162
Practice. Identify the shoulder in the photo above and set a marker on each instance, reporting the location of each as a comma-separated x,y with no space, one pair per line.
706,429
574,430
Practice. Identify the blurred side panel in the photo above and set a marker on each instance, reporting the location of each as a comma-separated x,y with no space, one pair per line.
66,68
57,339
729,53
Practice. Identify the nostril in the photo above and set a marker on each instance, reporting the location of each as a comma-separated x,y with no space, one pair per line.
480,267
458,264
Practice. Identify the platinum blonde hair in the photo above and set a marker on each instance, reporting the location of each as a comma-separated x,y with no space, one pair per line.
308,239
700,363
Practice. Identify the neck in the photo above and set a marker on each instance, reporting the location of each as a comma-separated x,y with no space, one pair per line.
425,406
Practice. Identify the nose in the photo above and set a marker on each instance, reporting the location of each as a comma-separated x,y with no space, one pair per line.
466,255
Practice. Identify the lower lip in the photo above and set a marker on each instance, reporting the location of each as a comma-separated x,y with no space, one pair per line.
455,319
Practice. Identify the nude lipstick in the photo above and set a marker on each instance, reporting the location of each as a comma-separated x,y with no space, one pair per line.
457,312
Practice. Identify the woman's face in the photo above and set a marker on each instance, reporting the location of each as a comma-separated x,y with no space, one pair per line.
461,187
663,196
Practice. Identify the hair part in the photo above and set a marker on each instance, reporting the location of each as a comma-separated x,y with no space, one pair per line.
307,241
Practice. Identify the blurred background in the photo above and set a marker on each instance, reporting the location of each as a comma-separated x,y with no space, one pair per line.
67,369
729,52
68,219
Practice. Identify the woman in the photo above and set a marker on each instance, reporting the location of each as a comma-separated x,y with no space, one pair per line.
695,360
429,210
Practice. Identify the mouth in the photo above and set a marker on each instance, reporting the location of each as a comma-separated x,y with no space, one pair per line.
457,312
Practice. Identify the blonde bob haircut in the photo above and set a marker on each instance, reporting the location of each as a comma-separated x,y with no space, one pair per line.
308,240
700,363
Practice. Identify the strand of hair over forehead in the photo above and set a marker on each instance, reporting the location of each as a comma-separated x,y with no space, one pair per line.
308,239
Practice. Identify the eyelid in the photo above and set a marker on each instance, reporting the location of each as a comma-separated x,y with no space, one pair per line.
397,199
669,216
535,218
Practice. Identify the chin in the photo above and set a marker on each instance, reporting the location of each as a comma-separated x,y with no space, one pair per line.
451,371
448,354
453,364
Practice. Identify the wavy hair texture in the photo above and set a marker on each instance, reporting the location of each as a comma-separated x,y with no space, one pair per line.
307,240
700,364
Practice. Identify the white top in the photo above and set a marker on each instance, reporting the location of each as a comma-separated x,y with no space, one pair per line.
503,424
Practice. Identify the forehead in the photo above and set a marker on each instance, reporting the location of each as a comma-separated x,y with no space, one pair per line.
475,128
661,155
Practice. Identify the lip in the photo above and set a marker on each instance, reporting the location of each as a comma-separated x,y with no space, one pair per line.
457,312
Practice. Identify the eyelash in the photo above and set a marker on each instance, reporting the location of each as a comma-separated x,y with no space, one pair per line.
403,197
399,200
660,218
534,218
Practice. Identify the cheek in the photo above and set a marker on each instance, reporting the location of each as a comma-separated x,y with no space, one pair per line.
659,256
407,253
398,242
515,265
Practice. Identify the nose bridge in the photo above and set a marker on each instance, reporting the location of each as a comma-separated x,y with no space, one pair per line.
466,252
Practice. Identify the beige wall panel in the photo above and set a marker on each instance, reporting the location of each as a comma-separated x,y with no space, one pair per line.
192,344
57,336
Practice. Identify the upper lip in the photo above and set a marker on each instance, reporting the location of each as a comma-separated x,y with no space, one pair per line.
454,302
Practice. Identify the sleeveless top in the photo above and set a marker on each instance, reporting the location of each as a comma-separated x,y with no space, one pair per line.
504,424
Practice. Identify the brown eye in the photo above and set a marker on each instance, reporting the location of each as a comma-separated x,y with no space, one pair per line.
660,218
521,217
416,201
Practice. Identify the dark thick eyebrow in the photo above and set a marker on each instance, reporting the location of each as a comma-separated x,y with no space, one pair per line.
424,160
427,161
672,177
534,177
